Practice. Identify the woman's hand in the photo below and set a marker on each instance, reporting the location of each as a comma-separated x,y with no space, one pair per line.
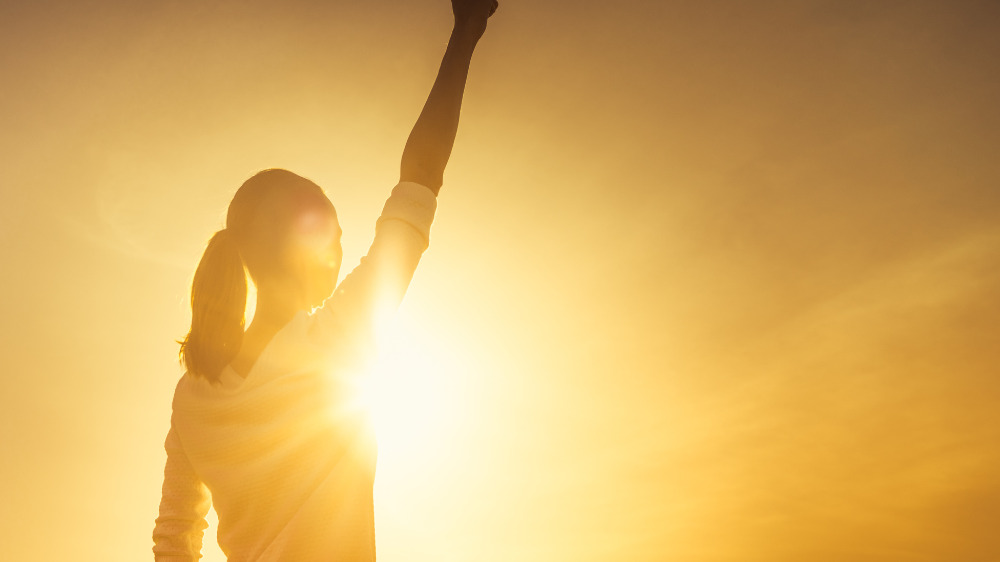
471,15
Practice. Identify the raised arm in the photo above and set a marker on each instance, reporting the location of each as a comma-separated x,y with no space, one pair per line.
433,136
375,288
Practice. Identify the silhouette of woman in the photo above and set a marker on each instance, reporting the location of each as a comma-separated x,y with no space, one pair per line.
265,423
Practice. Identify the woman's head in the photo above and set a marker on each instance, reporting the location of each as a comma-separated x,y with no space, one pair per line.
287,233
281,229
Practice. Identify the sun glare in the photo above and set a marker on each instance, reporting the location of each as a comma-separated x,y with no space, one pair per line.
412,393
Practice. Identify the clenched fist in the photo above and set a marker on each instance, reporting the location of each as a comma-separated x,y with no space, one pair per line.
471,15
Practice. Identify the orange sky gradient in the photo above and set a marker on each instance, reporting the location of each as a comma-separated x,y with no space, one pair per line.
708,282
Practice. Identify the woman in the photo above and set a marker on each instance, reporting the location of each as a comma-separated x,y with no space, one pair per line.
265,423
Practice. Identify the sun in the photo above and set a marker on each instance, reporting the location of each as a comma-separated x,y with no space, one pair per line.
412,392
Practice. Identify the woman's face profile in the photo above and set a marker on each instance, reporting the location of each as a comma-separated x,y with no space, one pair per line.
317,253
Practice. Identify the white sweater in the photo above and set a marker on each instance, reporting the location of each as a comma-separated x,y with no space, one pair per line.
287,455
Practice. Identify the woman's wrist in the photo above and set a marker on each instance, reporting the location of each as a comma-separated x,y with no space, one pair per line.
468,33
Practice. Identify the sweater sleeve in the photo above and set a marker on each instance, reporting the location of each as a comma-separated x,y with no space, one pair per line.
376,287
185,502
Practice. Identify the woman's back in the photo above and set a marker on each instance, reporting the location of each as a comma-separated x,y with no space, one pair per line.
286,452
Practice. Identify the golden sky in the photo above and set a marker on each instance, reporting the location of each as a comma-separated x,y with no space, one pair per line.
709,281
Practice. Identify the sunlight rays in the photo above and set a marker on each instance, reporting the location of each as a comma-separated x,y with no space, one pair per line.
412,393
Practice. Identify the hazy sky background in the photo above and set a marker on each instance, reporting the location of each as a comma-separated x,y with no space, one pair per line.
709,281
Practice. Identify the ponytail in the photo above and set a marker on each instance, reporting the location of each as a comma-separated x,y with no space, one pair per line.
218,305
